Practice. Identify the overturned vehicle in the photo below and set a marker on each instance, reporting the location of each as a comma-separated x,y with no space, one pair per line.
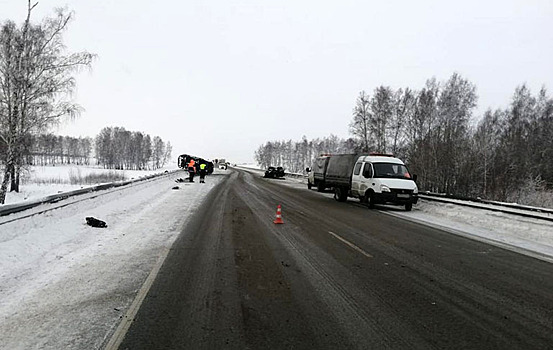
184,160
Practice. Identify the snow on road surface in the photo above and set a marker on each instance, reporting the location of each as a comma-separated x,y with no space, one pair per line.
64,284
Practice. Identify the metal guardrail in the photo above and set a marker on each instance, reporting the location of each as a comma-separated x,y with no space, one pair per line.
18,207
500,208
295,175
484,201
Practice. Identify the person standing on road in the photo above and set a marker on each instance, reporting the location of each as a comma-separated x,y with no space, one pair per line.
203,167
191,170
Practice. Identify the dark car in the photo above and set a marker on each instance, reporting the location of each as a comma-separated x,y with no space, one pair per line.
273,172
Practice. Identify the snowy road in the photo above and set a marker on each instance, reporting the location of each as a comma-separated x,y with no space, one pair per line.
66,285
336,275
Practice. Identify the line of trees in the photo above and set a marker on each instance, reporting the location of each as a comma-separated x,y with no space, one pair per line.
512,148
36,81
50,149
113,147
296,156
506,154
117,148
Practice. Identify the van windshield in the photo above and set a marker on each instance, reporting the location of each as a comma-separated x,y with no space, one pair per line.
391,170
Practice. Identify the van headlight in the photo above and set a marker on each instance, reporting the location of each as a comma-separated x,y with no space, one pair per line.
384,188
416,190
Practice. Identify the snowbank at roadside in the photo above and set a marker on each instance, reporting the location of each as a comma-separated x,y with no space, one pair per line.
64,284
526,235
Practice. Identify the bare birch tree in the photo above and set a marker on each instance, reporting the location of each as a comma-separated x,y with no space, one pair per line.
36,79
404,106
456,103
158,152
360,125
168,153
381,107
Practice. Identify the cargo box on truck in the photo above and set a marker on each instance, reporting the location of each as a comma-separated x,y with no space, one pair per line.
317,173
339,170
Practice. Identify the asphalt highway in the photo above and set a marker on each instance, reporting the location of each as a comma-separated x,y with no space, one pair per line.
335,276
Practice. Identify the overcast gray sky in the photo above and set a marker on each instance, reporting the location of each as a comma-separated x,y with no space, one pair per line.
219,78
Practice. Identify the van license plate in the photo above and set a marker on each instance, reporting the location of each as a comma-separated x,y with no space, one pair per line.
402,195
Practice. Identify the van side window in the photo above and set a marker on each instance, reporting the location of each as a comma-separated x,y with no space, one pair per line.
368,171
357,168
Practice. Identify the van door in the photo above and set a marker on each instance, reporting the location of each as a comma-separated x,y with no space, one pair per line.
365,178
356,179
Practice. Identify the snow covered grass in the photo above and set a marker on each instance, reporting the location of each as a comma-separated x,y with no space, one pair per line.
538,198
76,173
76,178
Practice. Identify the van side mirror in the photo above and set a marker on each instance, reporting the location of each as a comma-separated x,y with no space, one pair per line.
307,170
415,177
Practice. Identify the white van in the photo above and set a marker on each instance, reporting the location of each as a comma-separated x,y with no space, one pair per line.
383,179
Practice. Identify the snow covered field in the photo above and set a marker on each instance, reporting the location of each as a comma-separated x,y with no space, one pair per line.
65,285
41,181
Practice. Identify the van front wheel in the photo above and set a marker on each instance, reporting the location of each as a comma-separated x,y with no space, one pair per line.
369,199
408,206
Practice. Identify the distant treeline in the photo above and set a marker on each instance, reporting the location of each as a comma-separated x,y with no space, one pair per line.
296,156
113,148
50,149
117,148
505,154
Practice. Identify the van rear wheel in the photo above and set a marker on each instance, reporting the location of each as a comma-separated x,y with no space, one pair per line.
340,194
320,186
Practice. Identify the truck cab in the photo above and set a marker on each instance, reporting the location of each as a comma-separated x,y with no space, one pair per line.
380,179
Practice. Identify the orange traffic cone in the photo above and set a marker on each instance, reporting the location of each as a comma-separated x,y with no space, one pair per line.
278,219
